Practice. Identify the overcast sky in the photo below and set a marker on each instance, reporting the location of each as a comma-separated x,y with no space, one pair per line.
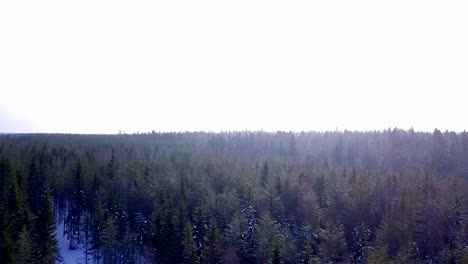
104,66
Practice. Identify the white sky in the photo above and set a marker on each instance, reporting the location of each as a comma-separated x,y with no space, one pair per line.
104,66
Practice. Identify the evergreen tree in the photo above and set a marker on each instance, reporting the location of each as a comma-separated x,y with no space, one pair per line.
98,226
23,252
14,201
379,253
311,249
6,239
287,245
45,248
267,233
320,190
407,254
213,247
73,221
35,187
332,243
264,174
163,230
236,235
315,197
190,248
109,241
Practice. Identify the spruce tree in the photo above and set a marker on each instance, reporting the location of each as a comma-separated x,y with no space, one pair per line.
236,235
163,229
379,253
15,202
35,187
267,232
45,248
23,251
189,247
264,174
213,247
98,226
311,249
404,255
6,238
109,241
73,220
332,243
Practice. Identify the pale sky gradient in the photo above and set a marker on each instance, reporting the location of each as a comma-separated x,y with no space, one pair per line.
102,66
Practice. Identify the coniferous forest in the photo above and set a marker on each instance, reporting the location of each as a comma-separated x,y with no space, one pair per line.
390,196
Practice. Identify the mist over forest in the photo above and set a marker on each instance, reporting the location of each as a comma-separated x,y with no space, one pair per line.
391,196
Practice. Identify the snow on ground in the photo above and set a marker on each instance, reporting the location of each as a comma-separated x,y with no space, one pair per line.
68,256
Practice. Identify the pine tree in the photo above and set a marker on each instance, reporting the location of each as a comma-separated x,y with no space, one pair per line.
332,243
458,251
109,241
14,212
213,248
15,201
236,235
267,232
73,221
23,252
287,245
311,249
264,174
98,226
87,239
200,225
249,253
164,233
407,254
45,248
190,248
320,190
6,238
35,187
276,255
379,253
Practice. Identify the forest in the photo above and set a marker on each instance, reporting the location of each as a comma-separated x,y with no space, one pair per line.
392,196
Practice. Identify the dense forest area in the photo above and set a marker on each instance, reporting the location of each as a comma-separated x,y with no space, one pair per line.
391,196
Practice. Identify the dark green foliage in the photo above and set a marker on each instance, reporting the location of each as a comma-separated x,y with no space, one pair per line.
164,233
36,186
109,241
268,239
332,243
6,239
264,174
213,247
45,249
14,201
14,217
392,196
190,248
98,226
24,247
77,205
379,252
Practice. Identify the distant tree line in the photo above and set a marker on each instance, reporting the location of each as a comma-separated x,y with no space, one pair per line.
390,196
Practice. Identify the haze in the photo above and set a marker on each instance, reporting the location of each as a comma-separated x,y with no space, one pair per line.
105,66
